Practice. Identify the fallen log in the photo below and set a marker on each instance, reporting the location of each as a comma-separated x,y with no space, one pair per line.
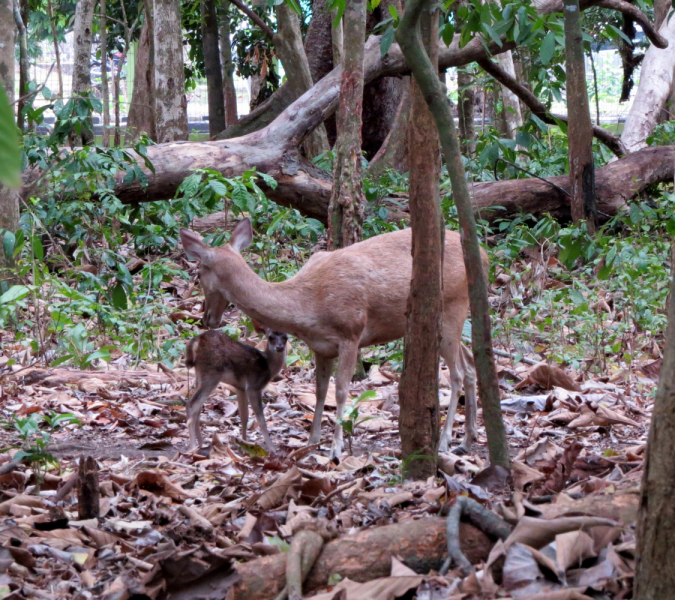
55,377
366,555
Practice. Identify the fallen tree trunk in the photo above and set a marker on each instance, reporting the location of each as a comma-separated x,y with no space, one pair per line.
364,556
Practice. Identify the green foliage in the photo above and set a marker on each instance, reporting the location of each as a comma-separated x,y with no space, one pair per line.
350,418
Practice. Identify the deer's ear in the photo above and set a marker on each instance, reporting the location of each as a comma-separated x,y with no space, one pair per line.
242,236
195,247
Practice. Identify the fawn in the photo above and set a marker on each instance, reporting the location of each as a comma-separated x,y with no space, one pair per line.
217,357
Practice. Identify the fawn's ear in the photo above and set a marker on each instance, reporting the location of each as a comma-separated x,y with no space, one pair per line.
242,236
195,247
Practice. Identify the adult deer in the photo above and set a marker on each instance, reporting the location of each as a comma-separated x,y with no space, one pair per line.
338,302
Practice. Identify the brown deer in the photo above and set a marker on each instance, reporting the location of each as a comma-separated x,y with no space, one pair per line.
338,302
217,357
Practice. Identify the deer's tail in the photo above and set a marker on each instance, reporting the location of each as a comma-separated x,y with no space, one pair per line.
191,352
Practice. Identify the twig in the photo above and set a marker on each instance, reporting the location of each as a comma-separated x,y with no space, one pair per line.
505,354
484,519
36,91
515,166
305,549
266,29
66,488
335,492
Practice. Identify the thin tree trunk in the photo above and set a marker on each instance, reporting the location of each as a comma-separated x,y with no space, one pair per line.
426,75
105,94
656,80
55,40
212,69
84,16
24,62
419,419
512,116
655,570
580,129
116,103
229,91
465,102
170,101
595,88
337,41
345,210
629,60
141,117
9,198
288,42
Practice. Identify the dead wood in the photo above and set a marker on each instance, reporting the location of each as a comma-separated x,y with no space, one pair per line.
88,493
56,377
364,556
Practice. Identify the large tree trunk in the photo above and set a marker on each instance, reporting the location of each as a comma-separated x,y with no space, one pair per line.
229,91
419,419
9,198
288,43
435,95
655,571
656,80
512,115
82,34
393,154
170,101
345,210
141,118
214,76
580,129
21,21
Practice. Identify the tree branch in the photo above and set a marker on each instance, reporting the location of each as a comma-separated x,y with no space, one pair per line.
622,6
612,141
266,29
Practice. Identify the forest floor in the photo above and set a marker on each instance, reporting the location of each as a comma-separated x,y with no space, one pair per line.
577,446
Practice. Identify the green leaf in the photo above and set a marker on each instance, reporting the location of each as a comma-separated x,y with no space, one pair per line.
448,33
542,126
547,49
576,296
38,250
119,297
16,292
394,13
493,34
8,243
387,40
295,6
269,180
218,187
10,155
60,361
523,139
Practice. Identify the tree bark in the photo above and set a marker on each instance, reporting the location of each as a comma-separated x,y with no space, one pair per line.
655,570
170,102
393,154
9,198
288,43
81,84
579,129
364,556
105,95
465,101
629,60
435,94
212,68
24,62
141,118
656,80
229,91
512,115
88,494
345,210
419,419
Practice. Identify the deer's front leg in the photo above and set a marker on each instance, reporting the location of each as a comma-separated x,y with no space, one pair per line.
349,352
324,368
194,407
242,403
255,398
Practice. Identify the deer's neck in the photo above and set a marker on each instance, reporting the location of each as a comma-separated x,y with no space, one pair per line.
272,304
276,361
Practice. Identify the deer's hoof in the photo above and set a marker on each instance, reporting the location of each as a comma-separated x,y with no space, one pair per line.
460,451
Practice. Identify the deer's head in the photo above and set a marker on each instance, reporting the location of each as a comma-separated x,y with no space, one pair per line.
217,267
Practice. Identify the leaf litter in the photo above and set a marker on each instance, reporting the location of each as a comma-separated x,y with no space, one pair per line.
178,525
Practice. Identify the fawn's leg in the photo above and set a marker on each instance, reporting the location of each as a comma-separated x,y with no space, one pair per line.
207,383
242,403
255,398
324,368
349,352
471,404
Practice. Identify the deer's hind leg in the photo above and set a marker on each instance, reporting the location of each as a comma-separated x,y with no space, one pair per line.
254,396
324,368
206,384
349,353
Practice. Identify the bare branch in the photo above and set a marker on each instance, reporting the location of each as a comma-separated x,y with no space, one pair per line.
613,142
266,29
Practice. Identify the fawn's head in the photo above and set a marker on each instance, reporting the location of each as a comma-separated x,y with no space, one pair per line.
276,340
215,267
